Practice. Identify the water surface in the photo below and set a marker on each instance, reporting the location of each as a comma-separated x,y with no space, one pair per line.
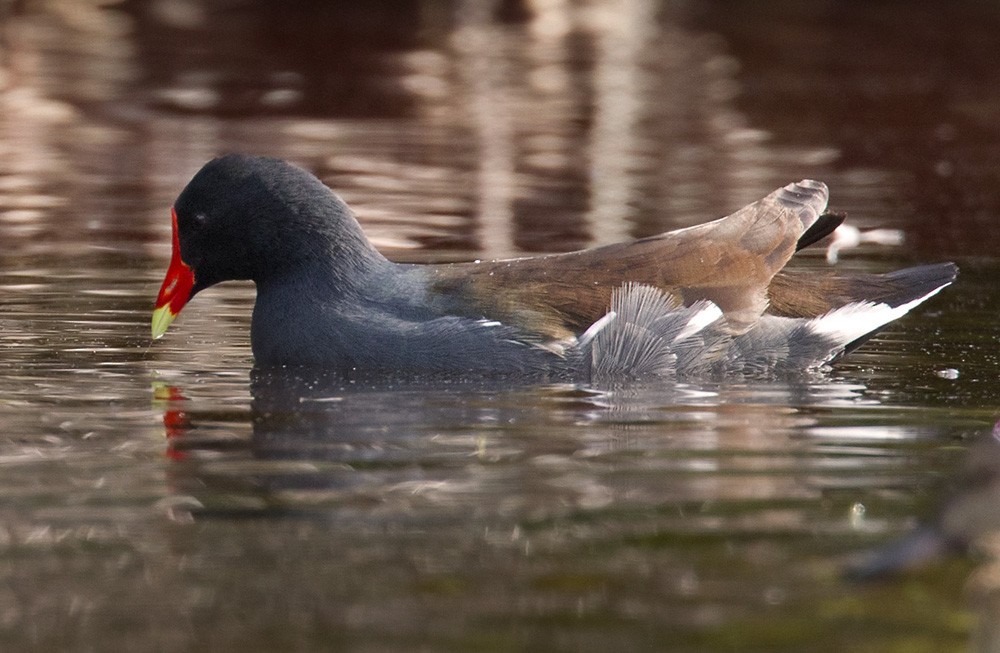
163,496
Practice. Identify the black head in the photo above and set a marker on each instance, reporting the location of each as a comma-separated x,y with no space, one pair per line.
246,217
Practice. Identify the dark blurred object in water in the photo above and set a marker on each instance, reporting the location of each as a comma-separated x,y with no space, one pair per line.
968,522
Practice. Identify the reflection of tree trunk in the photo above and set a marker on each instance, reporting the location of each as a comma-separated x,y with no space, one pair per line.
704,162
34,131
594,124
589,124
553,112
620,89
479,46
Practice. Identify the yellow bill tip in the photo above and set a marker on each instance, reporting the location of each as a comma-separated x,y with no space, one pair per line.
162,317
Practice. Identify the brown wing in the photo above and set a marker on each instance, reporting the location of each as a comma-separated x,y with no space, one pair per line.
730,261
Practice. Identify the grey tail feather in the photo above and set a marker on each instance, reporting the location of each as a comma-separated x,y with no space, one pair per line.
780,344
645,333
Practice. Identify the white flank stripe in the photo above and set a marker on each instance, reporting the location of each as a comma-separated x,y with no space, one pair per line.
699,321
597,327
850,322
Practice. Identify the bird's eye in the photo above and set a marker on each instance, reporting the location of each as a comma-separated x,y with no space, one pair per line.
194,221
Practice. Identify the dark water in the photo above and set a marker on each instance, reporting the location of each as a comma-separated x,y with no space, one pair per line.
156,496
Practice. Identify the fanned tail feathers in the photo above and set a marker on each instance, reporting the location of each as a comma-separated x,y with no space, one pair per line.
647,333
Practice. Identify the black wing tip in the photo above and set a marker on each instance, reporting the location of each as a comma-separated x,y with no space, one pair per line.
947,270
914,284
824,225
919,281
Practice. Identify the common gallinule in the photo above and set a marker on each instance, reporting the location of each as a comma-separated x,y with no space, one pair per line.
712,298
